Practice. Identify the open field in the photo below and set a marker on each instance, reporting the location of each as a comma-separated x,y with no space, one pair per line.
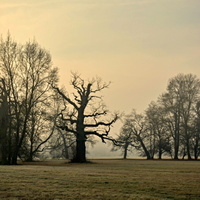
103,179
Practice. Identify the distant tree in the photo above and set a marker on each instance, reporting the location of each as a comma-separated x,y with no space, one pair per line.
62,145
85,113
196,131
173,120
135,133
183,92
155,115
125,140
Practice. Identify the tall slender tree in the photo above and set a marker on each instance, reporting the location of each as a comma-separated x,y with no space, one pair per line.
28,75
183,92
155,115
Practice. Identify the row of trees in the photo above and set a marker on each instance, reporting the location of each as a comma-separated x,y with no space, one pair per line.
169,126
34,111
35,114
26,110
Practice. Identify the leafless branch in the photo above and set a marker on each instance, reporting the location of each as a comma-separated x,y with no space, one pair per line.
66,128
102,123
65,97
96,114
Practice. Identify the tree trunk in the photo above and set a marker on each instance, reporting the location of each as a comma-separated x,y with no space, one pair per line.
80,152
187,141
176,150
3,123
176,142
125,151
160,154
145,149
66,154
30,157
188,150
196,149
14,159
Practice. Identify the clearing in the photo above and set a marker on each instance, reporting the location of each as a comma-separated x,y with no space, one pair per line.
102,179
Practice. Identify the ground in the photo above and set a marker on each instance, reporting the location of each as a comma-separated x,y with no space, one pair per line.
101,179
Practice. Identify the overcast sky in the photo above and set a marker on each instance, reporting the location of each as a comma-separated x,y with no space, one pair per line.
136,44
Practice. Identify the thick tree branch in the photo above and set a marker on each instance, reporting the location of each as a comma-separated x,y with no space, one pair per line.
96,114
67,129
103,136
101,123
66,98
72,121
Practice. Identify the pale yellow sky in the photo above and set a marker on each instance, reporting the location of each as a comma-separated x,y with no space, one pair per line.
136,44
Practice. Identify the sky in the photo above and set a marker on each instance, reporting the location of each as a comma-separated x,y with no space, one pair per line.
138,45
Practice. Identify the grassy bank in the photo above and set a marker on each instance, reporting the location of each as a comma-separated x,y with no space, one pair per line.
103,179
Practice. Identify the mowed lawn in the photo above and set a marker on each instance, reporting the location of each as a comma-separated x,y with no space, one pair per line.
102,179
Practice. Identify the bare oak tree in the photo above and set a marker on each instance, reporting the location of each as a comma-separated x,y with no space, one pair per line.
84,115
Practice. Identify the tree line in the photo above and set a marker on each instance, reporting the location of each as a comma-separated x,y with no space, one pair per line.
169,126
26,98
36,115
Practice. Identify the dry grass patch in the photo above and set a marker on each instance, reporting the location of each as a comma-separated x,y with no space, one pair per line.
103,179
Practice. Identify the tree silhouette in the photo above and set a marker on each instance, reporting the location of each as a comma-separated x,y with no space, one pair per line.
26,78
84,113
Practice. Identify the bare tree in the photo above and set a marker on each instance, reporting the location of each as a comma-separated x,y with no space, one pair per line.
28,75
135,133
4,137
196,131
62,145
142,133
84,112
125,140
179,101
155,115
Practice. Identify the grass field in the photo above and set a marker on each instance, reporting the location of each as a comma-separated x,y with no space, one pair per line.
102,179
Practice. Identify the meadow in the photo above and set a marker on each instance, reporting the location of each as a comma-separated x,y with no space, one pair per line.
101,179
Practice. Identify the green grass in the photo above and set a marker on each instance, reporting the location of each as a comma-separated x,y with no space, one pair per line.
103,179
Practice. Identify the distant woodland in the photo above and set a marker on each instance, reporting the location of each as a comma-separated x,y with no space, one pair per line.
169,126
39,118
